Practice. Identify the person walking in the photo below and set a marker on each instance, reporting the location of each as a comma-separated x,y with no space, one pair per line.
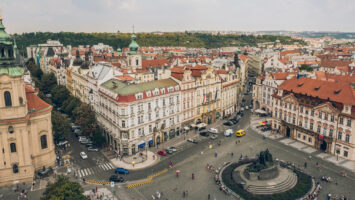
193,176
305,164
209,197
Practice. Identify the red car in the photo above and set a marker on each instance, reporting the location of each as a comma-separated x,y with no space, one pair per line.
162,152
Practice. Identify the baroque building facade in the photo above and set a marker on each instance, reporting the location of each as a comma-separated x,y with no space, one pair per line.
26,140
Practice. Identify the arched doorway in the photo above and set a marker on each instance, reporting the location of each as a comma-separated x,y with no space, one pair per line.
157,141
323,146
165,136
257,105
288,132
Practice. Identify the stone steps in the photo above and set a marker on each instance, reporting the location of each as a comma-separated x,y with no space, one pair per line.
285,185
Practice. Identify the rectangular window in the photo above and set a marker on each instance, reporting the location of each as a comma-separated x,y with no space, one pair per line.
341,120
332,118
318,129
149,116
149,106
325,116
298,135
309,139
293,120
345,153
123,124
150,129
301,109
347,138
13,147
294,108
320,115
340,135
312,113
348,123
304,137
324,131
311,126
330,133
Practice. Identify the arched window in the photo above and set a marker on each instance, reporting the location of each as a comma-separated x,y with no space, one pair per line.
11,129
7,97
13,147
15,169
44,141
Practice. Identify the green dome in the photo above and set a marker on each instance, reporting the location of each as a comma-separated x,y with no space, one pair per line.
119,49
4,37
133,47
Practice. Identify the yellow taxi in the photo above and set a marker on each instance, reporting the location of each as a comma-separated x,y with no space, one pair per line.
240,133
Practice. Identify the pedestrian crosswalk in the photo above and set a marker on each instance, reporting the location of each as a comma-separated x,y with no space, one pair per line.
90,171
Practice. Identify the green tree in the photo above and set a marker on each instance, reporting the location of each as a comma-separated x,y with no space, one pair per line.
48,82
59,94
60,125
305,67
63,189
98,138
85,118
70,104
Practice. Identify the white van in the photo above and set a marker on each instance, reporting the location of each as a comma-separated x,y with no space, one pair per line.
213,130
228,132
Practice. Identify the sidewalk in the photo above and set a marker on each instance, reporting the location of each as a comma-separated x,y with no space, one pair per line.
348,164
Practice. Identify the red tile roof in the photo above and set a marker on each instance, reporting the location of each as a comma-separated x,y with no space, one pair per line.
282,75
335,78
177,70
334,63
34,102
197,67
125,78
341,92
284,53
196,73
177,76
220,71
155,63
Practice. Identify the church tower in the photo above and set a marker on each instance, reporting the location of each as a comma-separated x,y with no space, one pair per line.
26,141
134,58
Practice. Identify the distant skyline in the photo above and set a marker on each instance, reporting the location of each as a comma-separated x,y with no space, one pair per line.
177,15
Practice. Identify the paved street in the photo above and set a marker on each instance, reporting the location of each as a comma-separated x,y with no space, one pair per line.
250,145
192,158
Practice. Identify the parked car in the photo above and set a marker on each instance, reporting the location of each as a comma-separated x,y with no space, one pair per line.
162,153
121,171
45,172
83,155
81,138
172,148
204,134
86,141
234,120
92,148
228,132
115,178
62,143
169,151
214,136
228,123
192,140
246,107
213,130
240,133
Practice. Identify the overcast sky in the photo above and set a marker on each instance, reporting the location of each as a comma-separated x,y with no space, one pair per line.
177,15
